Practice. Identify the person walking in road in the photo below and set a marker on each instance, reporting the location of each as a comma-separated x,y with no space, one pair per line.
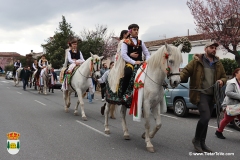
24,75
103,85
52,80
204,71
232,97
101,80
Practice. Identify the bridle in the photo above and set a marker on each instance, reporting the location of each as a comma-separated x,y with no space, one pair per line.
168,69
92,69
47,75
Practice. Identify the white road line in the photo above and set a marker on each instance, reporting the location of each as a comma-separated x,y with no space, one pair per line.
93,129
40,103
168,116
4,81
217,127
19,92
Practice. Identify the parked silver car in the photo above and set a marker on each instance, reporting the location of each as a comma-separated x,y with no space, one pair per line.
58,84
9,75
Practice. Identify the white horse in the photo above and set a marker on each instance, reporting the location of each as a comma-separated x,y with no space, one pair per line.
16,77
81,81
45,79
153,97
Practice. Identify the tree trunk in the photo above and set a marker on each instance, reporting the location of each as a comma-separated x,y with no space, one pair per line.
237,58
237,54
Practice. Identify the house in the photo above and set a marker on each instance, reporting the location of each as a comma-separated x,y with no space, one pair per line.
198,42
35,55
8,58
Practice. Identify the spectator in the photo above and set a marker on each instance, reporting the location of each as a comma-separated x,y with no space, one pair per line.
52,80
232,97
102,71
91,91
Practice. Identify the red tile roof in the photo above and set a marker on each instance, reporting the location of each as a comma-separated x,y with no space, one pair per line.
10,54
170,40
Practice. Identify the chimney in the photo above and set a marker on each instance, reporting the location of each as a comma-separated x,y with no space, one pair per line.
188,32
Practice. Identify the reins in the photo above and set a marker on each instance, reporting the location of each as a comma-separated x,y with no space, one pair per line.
92,69
218,96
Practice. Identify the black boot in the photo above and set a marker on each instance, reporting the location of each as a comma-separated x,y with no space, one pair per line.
197,145
219,135
103,109
204,147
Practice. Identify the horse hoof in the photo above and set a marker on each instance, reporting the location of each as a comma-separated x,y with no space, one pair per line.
143,135
84,118
107,132
76,114
66,110
150,149
127,137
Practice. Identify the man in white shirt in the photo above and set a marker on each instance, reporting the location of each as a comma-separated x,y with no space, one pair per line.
18,64
75,56
131,51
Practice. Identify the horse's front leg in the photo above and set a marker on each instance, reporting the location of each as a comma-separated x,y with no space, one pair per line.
106,112
157,117
80,99
65,98
39,89
146,110
45,86
124,124
76,109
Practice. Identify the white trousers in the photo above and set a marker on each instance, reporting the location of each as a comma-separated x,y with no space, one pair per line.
71,66
42,71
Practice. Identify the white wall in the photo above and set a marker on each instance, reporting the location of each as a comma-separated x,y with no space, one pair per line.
198,50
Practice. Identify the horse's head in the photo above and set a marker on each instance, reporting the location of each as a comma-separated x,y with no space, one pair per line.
49,66
174,60
96,61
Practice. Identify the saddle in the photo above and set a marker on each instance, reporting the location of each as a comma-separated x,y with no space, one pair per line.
69,75
118,97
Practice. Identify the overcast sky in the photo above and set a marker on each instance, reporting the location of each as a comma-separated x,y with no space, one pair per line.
26,24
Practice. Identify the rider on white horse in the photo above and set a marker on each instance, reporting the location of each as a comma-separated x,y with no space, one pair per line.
42,63
34,69
75,56
34,65
131,51
17,65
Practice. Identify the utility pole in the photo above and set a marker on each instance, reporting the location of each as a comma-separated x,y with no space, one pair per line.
164,35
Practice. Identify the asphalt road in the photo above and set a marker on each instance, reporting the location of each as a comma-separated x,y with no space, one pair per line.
48,133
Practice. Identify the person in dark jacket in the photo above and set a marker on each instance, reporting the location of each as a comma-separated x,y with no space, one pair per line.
24,75
52,80
204,71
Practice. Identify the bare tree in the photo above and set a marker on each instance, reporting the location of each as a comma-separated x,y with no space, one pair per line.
218,20
98,41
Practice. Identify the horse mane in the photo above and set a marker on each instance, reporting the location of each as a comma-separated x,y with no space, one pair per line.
116,73
158,58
